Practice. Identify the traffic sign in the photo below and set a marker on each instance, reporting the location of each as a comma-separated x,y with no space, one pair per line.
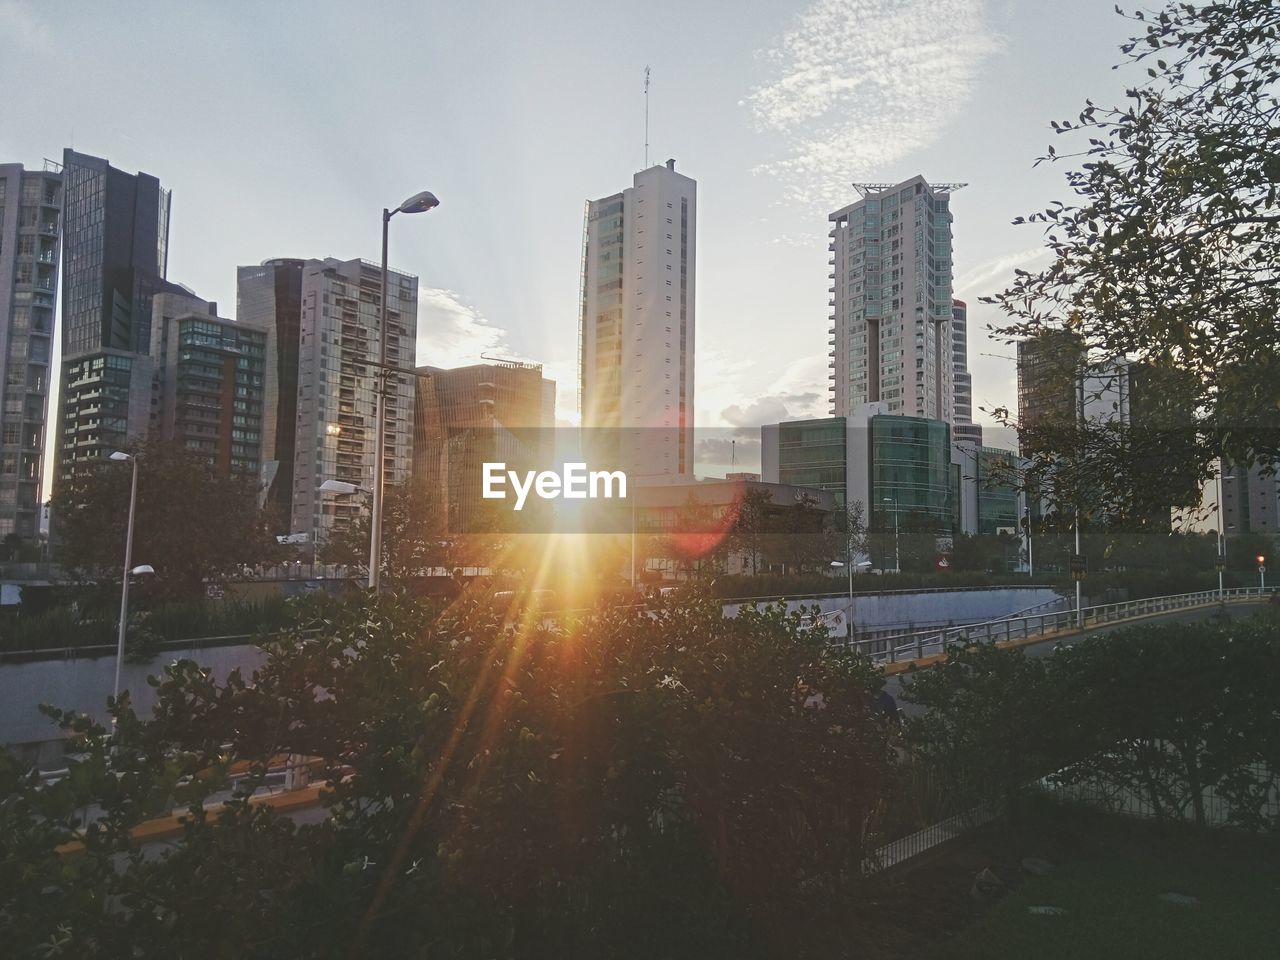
1220,564
942,562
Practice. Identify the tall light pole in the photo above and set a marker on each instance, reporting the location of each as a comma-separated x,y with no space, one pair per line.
1220,561
418,203
897,560
1031,565
1079,608
121,457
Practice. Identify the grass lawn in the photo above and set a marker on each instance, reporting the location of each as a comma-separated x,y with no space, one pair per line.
1109,875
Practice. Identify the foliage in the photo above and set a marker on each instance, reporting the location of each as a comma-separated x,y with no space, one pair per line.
981,734
191,525
540,792
1161,713
1167,253
1166,712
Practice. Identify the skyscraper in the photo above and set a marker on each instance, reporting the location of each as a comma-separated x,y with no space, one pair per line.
495,412
338,335
269,296
891,311
636,331
962,426
208,386
115,253
30,206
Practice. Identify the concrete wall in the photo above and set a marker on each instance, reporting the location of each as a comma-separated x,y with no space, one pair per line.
84,684
890,611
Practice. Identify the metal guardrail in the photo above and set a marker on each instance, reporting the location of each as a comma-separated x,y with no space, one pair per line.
925,643
844,594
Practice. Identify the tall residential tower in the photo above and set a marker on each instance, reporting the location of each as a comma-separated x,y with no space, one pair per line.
30,208
636,337
338,336
891,307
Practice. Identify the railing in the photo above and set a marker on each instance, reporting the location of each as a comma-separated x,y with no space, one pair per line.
837,594
925,643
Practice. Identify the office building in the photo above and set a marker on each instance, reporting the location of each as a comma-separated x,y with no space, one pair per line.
636,331
269,296
1250,500
817,454
115,252
891,464
30,227
208,384
339,341
467,416
1049,367
891,334
962,426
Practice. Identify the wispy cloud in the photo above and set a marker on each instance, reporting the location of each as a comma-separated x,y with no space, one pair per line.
862,84
452,332
982,280
20,25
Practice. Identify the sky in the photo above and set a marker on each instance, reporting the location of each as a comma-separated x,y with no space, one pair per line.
284,128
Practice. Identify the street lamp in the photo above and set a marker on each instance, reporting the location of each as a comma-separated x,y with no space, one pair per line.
121,457
897,561
418,203
1222,532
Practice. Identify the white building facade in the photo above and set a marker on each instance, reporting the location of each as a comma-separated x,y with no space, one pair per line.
636,331
339,334
891,305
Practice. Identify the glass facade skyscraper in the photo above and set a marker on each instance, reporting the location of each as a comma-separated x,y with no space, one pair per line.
30,227
910,462
269,296
115,253
209,384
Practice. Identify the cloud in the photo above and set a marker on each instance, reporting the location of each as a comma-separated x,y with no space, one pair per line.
722,453
729,395
861,84
452,333
771,408
981,280
23,28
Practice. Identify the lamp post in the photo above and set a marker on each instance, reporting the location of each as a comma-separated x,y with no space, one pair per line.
418,203
121,457
1031,565
1221,531
897,560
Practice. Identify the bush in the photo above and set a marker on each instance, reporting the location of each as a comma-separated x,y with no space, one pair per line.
547,791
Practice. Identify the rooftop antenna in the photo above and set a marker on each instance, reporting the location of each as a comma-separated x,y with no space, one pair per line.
646,118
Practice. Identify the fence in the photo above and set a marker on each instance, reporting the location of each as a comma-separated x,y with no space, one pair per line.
930,642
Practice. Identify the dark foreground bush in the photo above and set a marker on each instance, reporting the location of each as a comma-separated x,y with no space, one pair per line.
666,783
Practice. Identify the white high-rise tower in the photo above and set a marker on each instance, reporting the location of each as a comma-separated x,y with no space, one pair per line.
636,330
891,311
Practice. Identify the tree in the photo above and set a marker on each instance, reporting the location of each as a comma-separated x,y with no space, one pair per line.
750,526
492,794
800,537
1167,253
414,535
191,525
